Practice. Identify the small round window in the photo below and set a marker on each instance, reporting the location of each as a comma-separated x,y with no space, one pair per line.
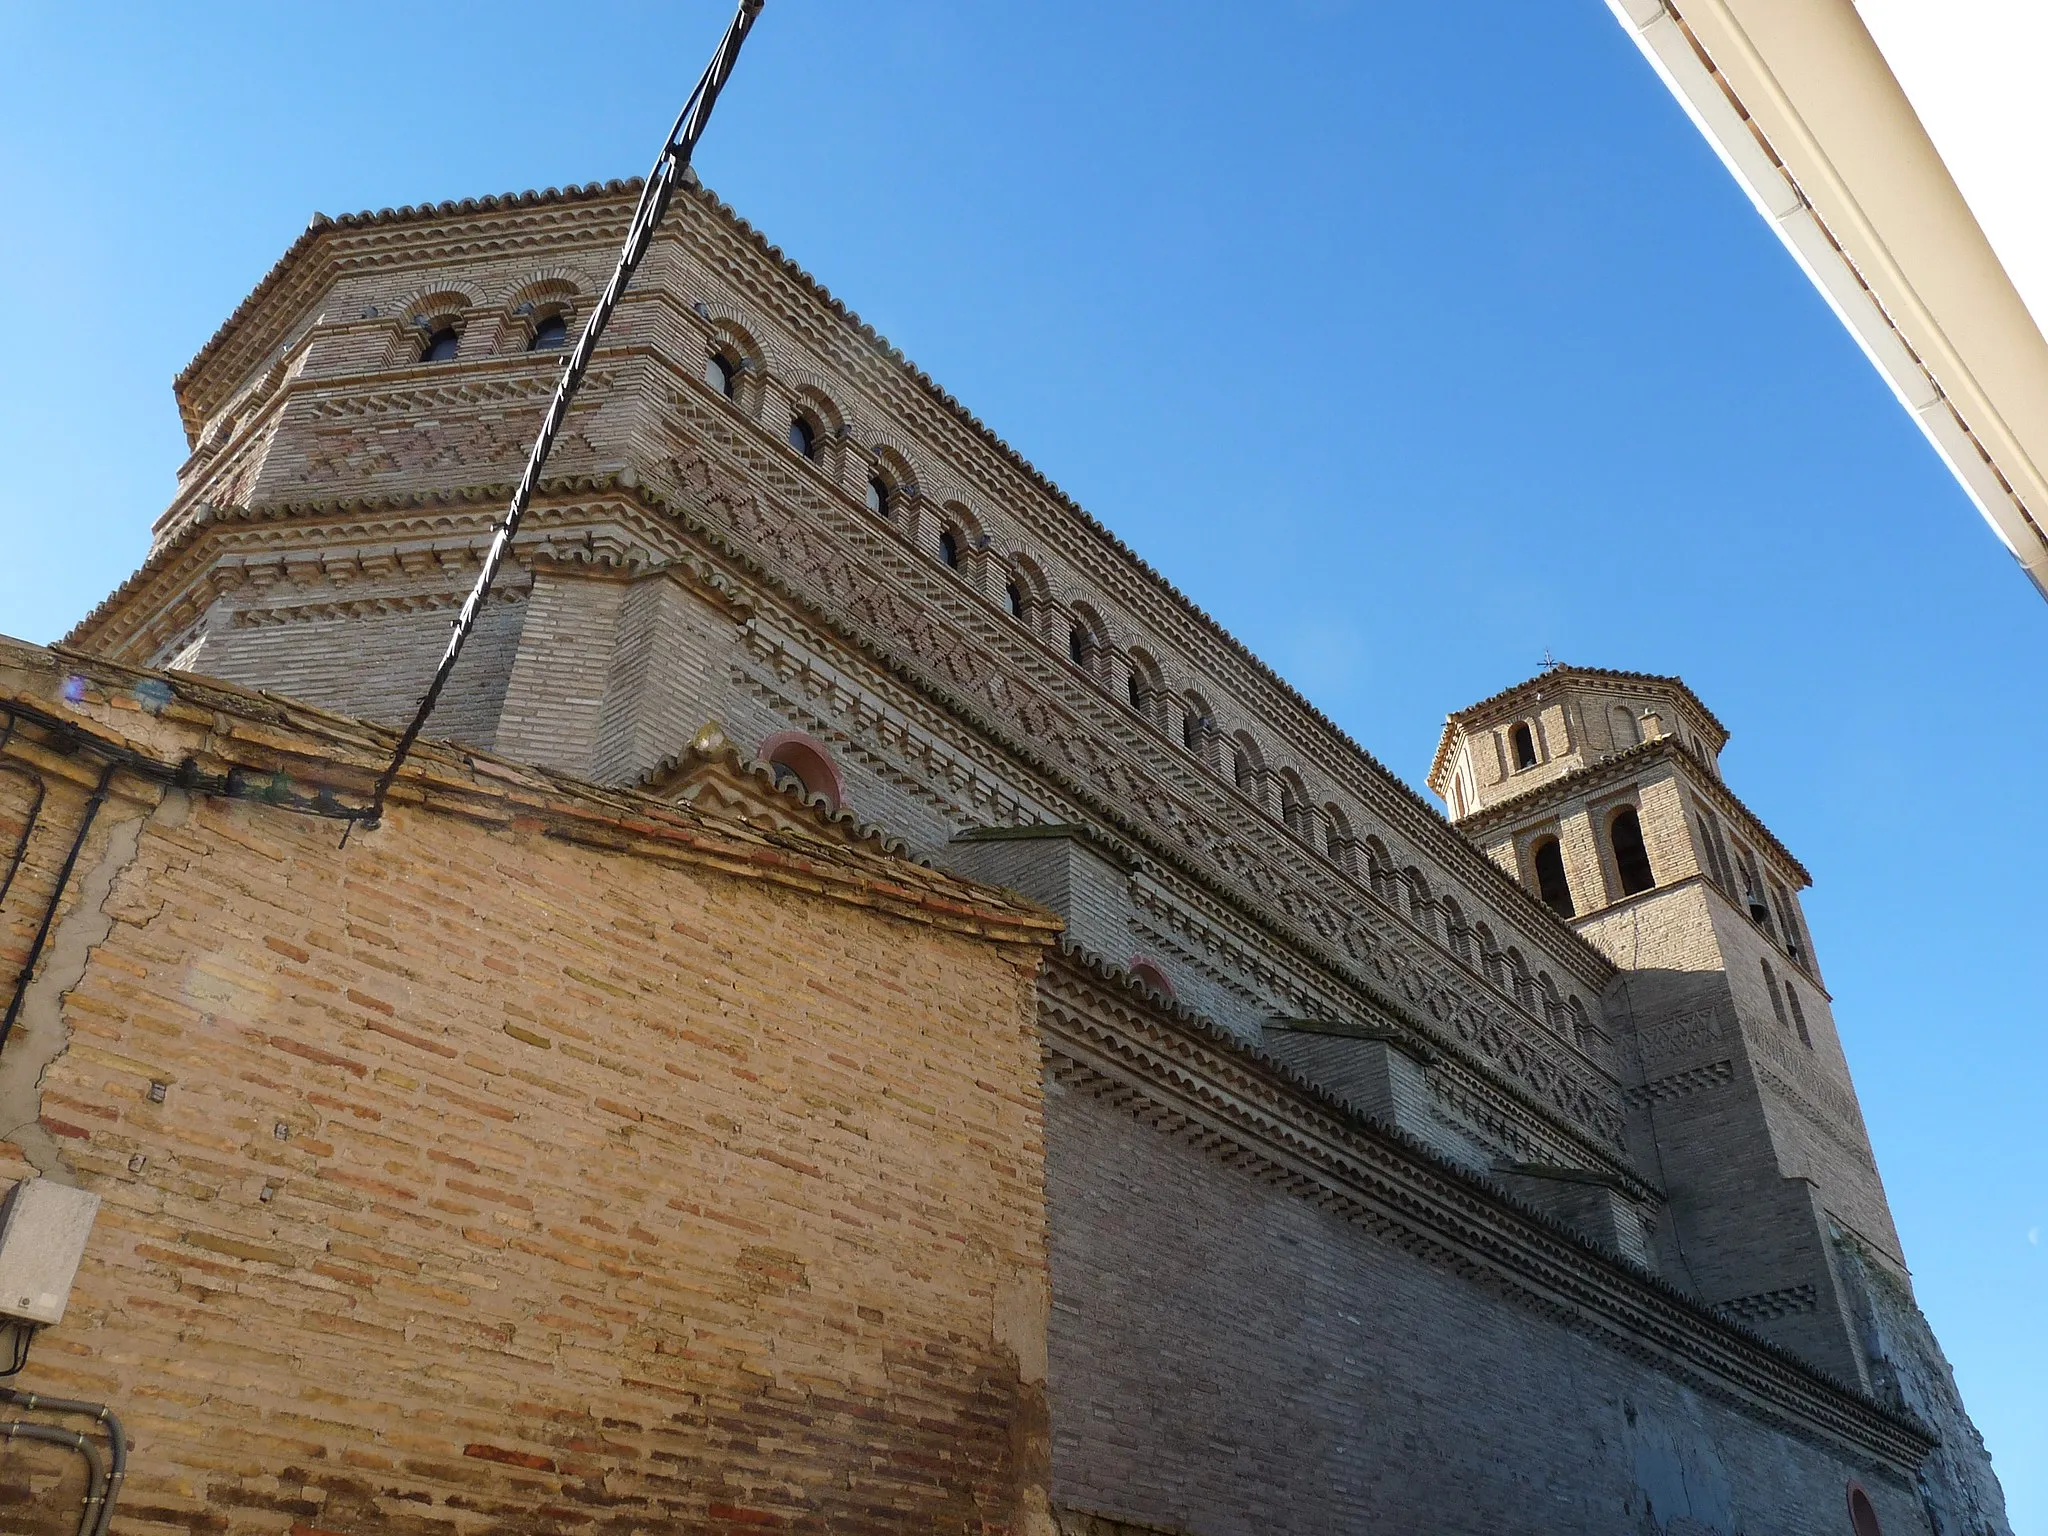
1148,973
802,764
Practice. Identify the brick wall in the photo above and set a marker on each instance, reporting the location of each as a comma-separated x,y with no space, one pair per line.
1230,1358
503,1181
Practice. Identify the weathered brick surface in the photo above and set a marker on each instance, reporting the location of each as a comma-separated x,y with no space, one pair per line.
503,1182
1231,1359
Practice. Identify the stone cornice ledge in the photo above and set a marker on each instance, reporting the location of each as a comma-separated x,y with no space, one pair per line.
1106,1034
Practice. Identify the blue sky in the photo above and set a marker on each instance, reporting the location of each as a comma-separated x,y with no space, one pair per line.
1410,341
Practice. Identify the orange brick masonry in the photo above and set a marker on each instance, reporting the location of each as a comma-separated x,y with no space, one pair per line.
503,1183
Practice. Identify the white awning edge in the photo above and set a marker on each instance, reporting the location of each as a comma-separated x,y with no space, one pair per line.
1847,258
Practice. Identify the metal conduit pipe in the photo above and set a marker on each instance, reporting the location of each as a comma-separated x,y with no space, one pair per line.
35,809
28,824
35,947
117,1439
273,789
90,1519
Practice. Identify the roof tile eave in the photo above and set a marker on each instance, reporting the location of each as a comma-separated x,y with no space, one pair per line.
323,224
1615,674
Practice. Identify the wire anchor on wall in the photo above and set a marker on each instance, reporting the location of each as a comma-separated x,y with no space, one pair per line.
654,199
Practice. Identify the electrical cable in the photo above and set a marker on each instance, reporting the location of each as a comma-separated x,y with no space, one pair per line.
660,186
24,1335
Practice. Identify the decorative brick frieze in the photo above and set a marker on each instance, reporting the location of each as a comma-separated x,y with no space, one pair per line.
1770,1305
1678,1084
362,607
1239,856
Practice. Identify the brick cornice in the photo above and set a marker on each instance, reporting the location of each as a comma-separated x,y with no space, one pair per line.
1108,1035
298,272
1702,781
197,728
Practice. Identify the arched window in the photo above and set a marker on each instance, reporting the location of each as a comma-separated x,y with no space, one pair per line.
722,376
1026,594
1627,733
1631,858
1148,972
1457,933
442,345
1338,842
1862,1513
1087,642
803,437
1379,870
802,762
1295,814
1145,687
1788,922
1753,890
949,549
881,496
1246,766
1489,952
1516,970
1421,904
1798,1015
1522,742
1196,726
1708,856
1777,1002
1551,885
550,335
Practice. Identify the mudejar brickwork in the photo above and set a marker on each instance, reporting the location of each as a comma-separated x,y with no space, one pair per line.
1370,1169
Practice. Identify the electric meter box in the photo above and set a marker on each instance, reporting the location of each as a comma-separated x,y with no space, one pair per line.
43,1228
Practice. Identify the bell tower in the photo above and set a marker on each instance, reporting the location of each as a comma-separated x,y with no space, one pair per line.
1601,792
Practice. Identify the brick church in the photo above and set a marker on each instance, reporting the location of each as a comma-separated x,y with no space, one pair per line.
876,1014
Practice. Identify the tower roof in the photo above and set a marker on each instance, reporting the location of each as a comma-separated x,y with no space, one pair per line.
1551,679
